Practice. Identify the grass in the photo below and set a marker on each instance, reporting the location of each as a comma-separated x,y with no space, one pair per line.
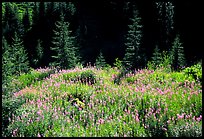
87,102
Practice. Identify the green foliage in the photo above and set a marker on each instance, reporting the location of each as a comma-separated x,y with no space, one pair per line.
194,71
20,56
166,61
131,79
9,106
177,54
26,79
154,105
14,61
7,64
73,102
120,76
85,77
133,55
150,65
65,56
12,22
162,60
157,57
187,129
107,67
72,76
88,77
100,60
9,103
118,64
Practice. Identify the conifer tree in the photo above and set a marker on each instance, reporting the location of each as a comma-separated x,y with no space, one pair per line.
65,51
133,55
157,57
177,53
7,63
12,22
20,55
100,60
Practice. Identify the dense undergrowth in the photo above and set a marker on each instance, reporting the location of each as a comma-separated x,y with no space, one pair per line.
89,102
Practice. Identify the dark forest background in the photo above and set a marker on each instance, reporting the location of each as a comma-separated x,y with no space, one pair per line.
102,26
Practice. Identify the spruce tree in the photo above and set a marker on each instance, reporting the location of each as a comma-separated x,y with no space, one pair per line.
7,63
20,55
100,60
12,22
157,57
177,53
65,51
133,55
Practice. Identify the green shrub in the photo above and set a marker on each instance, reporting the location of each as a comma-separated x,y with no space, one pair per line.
157,56
9,106
151,65
166,62
120,75
185,130
26,79
72,76
88,77
163,61
100,61
194,71
130,79
118,63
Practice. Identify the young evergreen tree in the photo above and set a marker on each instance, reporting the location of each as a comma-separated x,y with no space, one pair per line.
177,54
133,55
157,57
20,55
66,56
7,63
100,60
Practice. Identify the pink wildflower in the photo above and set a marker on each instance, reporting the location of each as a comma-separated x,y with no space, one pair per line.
38,135
15,131
39,112
100,121
164,129
137,119
180,116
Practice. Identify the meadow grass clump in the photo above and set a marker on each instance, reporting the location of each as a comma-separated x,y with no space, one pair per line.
145,103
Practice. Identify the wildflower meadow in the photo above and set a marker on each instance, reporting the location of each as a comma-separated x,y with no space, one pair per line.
85,102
